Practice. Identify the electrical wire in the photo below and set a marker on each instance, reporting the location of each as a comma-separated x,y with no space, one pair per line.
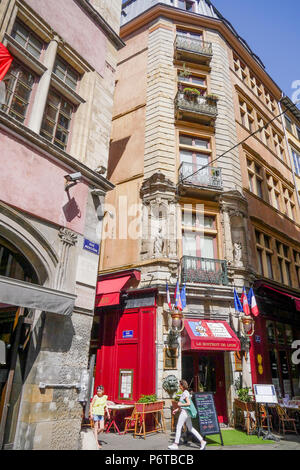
239,143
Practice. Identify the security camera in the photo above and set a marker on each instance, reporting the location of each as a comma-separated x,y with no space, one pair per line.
97,192
73,177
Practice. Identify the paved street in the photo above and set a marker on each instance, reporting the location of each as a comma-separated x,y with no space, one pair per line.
160,441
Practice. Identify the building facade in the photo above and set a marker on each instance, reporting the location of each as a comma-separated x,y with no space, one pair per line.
204,194
55,127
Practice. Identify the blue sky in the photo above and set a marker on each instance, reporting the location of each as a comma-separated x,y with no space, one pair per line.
272,30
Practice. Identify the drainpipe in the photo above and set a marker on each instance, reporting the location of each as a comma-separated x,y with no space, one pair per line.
290,152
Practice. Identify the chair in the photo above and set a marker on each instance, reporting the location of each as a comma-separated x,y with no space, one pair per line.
285,419
130,421
264,417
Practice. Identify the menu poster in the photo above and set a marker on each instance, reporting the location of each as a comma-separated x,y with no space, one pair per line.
265,394
125,384
207,415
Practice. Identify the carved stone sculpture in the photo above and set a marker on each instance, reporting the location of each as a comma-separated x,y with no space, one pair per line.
170,384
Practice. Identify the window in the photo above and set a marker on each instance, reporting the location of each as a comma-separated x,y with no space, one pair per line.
297,265
57,120
288,124
19,82
27,39
298,132
195,81
278,145
247,116
264,254
255,174
186,5
274,191
66,73
296,159
255,85
240,68
199,235
289,204
284,263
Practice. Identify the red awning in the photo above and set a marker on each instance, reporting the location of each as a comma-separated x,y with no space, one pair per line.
296,299
109,287
108,291
209,335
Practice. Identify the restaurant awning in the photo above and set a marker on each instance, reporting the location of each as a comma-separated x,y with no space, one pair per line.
25,294
286,294
209,335
109,287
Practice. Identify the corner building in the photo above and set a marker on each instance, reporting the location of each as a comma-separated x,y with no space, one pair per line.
189,89
55,122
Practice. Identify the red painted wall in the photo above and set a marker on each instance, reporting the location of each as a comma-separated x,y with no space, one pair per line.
116,352
35,184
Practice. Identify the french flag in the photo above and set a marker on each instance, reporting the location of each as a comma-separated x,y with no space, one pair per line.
5,61
168,297
178,303
252,303
245,304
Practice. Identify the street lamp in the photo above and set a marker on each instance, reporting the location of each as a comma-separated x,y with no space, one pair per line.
247,324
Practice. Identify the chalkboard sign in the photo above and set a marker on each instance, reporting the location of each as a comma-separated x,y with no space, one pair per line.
207,415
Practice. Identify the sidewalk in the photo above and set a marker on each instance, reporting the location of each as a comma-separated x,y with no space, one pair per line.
161,441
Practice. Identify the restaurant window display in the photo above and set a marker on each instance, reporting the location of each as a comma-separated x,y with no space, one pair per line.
285,374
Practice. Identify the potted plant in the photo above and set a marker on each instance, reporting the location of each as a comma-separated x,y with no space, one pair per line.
212,97
191,93
149,403
244,401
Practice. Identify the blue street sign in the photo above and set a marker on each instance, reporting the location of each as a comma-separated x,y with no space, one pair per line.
91,246
127,334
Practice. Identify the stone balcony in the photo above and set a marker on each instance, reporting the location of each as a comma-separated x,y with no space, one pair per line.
199,109
196,270
193,49
192,176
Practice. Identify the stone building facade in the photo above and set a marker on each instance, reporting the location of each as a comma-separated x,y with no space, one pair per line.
55,129
190,93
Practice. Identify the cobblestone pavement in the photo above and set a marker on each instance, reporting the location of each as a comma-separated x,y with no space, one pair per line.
161,441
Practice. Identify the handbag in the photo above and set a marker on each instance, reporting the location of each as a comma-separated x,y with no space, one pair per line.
191,410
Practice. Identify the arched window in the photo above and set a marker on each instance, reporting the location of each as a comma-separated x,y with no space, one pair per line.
14,264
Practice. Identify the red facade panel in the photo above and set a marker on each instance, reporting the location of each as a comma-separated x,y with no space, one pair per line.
126,356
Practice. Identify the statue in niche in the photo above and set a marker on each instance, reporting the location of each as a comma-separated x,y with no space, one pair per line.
237,254
159,243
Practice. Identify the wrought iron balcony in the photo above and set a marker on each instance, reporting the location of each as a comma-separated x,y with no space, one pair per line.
209,177
203,270
197,108
193,49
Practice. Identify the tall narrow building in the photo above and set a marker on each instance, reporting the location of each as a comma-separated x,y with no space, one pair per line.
55,123
204,195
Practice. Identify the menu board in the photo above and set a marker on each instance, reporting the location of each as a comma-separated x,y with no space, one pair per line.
207,415
125,384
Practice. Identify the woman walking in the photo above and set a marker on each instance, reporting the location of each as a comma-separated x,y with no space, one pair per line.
98,407
185,418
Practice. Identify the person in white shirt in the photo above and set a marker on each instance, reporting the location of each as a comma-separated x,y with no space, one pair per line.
185,418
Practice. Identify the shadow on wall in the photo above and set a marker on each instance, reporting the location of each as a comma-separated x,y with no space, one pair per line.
116,151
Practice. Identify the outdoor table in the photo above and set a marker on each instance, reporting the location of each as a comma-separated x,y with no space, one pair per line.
113,409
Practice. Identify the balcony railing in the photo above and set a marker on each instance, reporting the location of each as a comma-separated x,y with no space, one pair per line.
201,50
209,177
203,270
196,106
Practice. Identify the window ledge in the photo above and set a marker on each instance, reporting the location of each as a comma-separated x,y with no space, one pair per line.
65,90
24,56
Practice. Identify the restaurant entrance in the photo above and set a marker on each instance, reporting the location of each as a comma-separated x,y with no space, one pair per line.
205,372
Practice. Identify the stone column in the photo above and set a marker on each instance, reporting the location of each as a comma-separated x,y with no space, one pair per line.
41,96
